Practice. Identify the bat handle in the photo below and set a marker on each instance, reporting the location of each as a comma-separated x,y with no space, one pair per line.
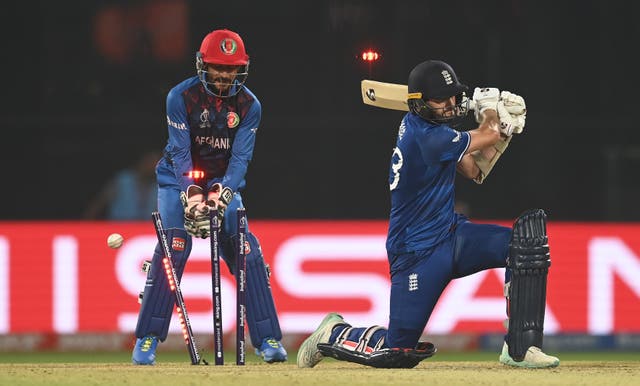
472,104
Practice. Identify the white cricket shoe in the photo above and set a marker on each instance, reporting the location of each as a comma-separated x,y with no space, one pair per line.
308,354
534,358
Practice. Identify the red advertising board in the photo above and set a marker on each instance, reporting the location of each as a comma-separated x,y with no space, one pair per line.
60,277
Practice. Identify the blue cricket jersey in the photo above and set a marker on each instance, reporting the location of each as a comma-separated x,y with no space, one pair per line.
421,180
208,133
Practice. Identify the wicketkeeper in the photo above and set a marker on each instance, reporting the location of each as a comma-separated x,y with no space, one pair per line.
212,119
428,244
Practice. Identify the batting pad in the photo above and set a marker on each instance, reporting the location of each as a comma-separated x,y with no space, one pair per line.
529,261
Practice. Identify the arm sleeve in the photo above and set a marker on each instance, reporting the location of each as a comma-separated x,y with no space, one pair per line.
242,148
443,144
179,144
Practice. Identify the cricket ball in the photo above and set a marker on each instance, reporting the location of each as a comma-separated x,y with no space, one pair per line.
115,240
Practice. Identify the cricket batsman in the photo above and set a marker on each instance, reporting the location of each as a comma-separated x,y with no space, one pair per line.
212,120
428,244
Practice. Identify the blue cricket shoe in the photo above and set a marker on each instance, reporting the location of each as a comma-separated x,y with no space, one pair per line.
271,351
144,353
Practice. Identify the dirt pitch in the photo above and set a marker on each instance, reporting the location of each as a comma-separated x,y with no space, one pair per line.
329,372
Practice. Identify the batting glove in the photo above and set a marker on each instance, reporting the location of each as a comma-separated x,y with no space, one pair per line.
510,123
485,98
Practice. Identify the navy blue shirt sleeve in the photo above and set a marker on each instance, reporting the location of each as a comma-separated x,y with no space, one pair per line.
179,143
442,144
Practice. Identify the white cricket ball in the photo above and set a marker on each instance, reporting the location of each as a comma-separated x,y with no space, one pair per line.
115,240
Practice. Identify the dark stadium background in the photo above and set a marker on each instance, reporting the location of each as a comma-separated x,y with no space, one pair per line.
84,87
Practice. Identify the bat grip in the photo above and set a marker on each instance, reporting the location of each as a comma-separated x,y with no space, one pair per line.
472,104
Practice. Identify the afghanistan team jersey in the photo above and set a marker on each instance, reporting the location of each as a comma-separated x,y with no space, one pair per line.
210,134
421,180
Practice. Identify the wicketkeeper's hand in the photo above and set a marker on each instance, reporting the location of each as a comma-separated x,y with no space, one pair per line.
219,199
196,212
485,98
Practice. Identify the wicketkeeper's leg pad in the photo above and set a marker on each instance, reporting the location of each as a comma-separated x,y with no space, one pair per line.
529,262
262,317
158,300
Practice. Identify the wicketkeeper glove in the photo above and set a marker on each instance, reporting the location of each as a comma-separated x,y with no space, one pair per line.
219,199
196,212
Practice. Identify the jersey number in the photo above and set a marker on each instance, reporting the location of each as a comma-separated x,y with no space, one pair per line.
395,168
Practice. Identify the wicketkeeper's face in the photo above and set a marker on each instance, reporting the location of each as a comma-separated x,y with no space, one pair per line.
221,75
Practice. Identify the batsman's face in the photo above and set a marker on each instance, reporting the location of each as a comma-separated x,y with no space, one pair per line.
443,108
222,76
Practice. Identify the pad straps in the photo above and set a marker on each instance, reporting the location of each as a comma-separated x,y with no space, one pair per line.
362,345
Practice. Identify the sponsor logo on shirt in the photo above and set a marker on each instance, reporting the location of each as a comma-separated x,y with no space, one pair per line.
214,142
177,125
401,130
457,137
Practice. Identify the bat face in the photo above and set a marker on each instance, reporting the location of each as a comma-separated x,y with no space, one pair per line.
384,95
391,96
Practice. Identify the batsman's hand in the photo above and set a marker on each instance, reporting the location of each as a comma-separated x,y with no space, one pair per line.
510,123
485,98
196,212
219,199
514,103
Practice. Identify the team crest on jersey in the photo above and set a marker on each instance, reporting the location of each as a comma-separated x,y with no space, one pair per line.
247,247
178,244
204,119
232,119
228,46
413,282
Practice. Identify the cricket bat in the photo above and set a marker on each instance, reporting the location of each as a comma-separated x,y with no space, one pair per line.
385,95
394,97
390,96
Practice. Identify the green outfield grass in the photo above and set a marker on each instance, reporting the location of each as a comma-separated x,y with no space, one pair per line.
183,356
448,369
